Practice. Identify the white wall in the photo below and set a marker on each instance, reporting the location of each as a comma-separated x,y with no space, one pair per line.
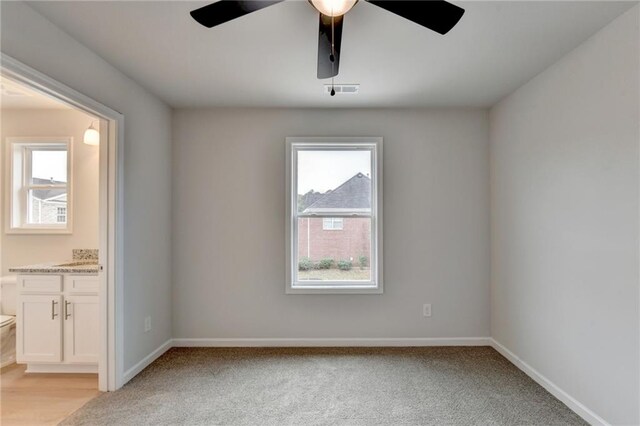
229,218
20,249
30,38
564,180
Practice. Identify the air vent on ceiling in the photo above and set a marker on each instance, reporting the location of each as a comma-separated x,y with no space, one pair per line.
342,89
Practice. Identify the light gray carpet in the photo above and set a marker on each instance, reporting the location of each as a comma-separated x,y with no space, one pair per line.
357,386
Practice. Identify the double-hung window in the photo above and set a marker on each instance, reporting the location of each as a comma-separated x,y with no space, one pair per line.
334,215
39,190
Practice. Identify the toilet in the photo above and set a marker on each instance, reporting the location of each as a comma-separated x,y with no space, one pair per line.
7,320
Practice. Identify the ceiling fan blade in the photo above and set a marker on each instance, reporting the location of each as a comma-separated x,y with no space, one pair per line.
437,15
327,68
226,10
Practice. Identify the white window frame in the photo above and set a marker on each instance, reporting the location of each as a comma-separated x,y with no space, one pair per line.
332,221
18,167
297,144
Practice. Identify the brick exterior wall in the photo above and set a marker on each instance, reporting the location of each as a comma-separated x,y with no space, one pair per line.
349,243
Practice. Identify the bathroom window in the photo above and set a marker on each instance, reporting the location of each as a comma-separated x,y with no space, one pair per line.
334,215
39,185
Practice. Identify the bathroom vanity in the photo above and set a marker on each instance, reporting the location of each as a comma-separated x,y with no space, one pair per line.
57,317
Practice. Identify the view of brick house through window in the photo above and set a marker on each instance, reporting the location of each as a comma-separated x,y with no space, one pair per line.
334,224
342,244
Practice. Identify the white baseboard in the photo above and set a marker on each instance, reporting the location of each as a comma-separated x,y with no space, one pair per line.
133,371
331,342
575,405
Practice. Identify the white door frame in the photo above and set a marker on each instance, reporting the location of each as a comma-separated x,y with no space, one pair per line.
110,368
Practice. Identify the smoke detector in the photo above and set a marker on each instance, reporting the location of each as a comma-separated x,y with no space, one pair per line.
342,89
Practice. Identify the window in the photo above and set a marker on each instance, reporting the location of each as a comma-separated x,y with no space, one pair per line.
62,215
39,192
332,224
334,184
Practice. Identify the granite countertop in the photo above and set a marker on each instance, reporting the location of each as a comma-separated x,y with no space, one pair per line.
69,267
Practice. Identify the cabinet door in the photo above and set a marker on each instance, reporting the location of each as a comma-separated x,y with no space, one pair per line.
81,329
39,328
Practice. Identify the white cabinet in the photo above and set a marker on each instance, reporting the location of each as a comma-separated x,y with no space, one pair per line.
81,329
58,325
39,333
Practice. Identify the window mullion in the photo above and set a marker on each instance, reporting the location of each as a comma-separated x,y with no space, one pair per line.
32,186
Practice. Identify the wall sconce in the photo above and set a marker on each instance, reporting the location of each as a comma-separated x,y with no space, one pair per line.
91,135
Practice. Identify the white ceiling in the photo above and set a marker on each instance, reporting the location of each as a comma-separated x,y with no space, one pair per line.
16,96
268,58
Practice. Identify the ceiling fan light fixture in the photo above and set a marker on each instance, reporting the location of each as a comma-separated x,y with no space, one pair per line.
333,7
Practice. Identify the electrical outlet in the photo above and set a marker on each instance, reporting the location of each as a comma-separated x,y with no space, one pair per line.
426,309
147,324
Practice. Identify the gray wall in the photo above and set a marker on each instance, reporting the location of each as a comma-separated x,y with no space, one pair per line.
33,40
229,218
21,249
564,155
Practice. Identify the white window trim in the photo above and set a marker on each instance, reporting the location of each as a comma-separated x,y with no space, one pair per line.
375,286
23,228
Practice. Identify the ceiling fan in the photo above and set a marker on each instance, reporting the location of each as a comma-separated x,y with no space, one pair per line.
437,15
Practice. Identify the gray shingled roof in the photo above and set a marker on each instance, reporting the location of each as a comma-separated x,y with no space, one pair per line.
45,194
354,194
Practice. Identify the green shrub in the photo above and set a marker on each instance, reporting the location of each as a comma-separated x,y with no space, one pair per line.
305,264
345,265
364,261
325,263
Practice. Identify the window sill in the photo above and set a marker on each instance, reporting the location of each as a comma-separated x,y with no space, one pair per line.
333,289
39,231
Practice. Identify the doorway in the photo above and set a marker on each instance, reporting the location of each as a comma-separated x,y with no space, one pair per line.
109,125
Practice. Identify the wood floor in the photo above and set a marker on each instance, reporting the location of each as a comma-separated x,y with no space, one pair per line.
42,399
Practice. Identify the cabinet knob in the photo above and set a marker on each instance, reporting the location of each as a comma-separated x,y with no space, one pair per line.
53,309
